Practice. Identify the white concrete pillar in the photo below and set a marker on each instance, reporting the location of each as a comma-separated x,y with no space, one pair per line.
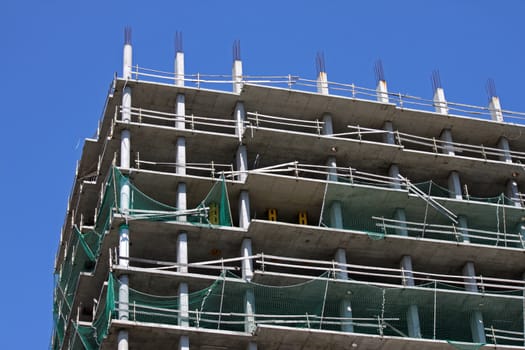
237,76
249,310
322,83
183,305
400,215
448,147
180,203
520,229
328,126
463,228
251,346
180,111
244,209
476,318
331,163
503,144
122,337
180,156
336,215
123,245
382,91
239,115
179,68
454,185
440,103
247,263
123,298
388,137
393,172
127,55
496,113
241,158
513,192
184,342
182,251
345,306
413,325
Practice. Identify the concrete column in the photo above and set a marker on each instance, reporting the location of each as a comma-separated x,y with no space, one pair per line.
184,342
179,67
463,228
413,325
244,209
400,215
322,83
122,340
454,185
503,144
123,298
496,113
393,172
242,162
239,115
476,318
520,229
180,111
183,305
237,76
251,346
513,192
125,148
247,263
181,200
345,306
440,103
182,251
446,137
328,126
332,169
336,215
382,91
249,310
388,137
127,56
180,156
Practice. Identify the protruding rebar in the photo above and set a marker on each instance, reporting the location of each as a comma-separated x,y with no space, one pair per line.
379,71
178,41
436,80
491,88
320,62
237,50
127,35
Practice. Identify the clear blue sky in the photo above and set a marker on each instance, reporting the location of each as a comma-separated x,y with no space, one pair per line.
57,59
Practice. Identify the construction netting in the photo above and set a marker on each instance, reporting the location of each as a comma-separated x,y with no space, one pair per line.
322,303
378,218
83,247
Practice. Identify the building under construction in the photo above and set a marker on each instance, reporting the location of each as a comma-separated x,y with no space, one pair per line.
277,212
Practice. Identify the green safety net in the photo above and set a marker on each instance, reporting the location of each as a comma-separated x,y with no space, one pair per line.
321,303
84,247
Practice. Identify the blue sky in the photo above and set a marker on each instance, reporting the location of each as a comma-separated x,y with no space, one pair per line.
57,59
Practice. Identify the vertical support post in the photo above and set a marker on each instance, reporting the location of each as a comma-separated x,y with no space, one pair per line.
239,115
181,200
125,155
251,346
345,306
400,215
237,68
182,252
382,91
393,172
179,60
503,144
496,113
247,275
180,111
184,320
463,228
328,126
513,192
184,342
336,215
242,162
454,185
388,137
414,329
332,169
476,318
322,83
244,209
180,157
446,137
521,231
440,103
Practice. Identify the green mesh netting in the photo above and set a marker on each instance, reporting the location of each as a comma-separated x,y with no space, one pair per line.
84,247
433,189
322,303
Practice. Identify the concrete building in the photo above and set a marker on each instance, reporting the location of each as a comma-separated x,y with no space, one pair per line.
290,213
